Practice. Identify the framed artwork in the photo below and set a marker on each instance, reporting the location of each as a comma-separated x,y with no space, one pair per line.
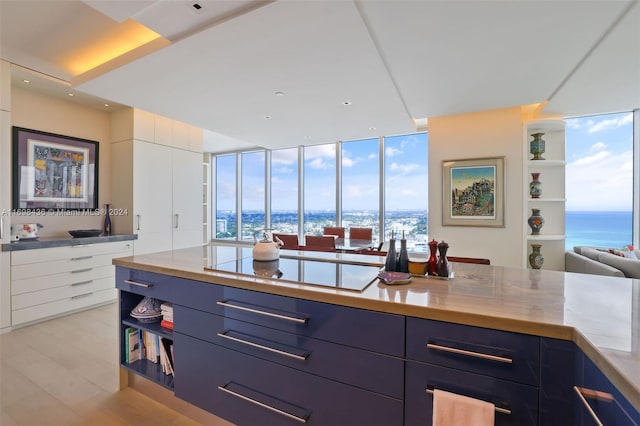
473,192
54,172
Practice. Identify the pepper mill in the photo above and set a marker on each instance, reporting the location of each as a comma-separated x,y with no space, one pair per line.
443,263
432,263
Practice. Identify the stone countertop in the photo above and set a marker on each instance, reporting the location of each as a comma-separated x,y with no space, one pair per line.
48,242
600,314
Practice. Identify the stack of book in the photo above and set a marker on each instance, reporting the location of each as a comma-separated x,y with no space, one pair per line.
167,315
148,346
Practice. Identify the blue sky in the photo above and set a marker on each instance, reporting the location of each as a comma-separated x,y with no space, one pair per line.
599,155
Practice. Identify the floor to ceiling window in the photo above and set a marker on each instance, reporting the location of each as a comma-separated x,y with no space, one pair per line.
378,183
284,190
360,184
319,188
405,188
253,193
225,196
599,180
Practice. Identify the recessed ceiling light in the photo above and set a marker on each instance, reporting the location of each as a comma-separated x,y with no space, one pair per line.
280,94
70,94
307,137
106,105
372,128
346,103
26,81
267,117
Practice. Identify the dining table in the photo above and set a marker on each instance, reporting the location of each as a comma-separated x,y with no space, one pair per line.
351,245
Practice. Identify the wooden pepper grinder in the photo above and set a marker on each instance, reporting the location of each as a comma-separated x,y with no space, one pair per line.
432,263
443,263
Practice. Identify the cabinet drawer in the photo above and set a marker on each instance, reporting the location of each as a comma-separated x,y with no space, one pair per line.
33,313
520,400
24,300
358,367
75,277
79,263
500,354
162,287
248,391
374,331
20,257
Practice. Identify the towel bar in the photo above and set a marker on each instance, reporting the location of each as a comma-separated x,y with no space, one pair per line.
501,410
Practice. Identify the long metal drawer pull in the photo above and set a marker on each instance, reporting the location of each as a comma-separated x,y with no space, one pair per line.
226,304
81,296
259,346
262,404
498,409
584,393
77,271
470,353
81,258
145,285
82,283
138,222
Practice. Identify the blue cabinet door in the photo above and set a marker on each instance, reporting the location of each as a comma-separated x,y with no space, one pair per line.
251,391
559,370
521,401
604,401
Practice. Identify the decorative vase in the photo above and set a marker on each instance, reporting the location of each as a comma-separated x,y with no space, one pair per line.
535,186
106,228
443,263
403,256
535,258
535,221
432,263
536,146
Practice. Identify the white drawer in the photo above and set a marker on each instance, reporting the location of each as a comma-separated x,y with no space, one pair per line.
25,300
78,264
21,257
26,285
33,313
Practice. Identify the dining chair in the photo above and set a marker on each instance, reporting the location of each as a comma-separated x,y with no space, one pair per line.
334,230
361,233
477,260
290,241
320,241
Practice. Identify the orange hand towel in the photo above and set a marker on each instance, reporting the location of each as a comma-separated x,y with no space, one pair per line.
450,409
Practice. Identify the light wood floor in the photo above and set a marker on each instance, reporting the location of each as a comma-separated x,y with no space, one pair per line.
64,372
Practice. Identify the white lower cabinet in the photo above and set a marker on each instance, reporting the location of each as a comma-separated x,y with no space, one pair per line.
52,281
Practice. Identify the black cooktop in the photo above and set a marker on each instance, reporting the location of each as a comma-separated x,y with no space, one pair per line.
321,273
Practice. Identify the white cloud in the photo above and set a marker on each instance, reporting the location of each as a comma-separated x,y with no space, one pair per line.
612,123
284,156
318,163
598,182
390,152
573,123
348,162
598,146
372,156
403,168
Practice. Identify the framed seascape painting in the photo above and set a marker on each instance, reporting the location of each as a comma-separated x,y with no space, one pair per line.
54,172
473,192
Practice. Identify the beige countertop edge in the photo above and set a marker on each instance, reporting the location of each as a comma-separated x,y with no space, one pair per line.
562,332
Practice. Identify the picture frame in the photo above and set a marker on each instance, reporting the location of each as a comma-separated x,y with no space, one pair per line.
473,192
54,172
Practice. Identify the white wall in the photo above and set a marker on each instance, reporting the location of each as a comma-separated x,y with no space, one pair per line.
39,112
496,133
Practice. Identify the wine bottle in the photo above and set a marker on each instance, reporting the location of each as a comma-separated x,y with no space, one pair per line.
390,265
403,258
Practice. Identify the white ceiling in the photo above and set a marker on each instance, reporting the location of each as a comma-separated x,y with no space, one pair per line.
394,61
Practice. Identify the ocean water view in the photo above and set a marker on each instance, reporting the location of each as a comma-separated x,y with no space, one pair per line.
602,229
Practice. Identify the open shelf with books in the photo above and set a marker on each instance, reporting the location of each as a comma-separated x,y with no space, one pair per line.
146,347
